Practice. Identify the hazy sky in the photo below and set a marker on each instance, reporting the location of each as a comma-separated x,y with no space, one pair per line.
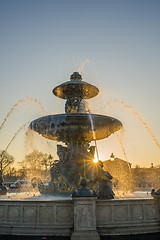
43,42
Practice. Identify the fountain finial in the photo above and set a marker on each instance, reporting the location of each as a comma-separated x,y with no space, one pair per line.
76,76
112,156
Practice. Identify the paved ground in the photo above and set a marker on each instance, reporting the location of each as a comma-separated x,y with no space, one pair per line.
37,196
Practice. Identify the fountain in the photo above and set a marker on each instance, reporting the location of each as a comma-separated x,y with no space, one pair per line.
83,216
77,128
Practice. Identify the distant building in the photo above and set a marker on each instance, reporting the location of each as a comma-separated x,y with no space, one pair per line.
121,172
132,179
146,178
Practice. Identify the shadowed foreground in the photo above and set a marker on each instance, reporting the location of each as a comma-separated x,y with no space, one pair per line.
152,236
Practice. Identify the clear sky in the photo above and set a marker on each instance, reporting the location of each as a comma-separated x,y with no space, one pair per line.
43,42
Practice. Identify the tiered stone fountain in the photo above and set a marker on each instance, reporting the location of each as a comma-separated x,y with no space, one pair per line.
74,128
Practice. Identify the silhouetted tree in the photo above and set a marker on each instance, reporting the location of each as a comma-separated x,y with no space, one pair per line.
5,160
36,161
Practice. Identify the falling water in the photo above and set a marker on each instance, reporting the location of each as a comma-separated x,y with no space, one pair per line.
94,134
141,120
119,138
122,147
20,102
29,140
121,144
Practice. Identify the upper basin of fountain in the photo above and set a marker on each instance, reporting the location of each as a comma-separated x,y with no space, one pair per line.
75,88
75,127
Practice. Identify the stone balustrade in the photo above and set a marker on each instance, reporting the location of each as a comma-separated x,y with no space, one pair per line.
122,217
49,218
72,217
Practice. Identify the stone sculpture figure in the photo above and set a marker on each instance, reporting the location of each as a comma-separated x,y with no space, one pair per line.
103,178
76,105
72,105
70,161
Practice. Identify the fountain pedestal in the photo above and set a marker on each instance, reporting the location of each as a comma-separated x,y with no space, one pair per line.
85,219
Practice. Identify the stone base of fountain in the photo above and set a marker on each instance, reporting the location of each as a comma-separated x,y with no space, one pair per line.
80,216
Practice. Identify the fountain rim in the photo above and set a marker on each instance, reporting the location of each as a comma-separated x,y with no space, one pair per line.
75,115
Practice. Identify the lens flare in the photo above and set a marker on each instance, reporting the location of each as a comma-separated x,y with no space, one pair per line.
95,160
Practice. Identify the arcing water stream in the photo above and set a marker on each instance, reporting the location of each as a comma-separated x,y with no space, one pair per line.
20,102
19,130
83,64
121,144
141,120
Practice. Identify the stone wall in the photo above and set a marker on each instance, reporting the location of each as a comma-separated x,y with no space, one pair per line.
61,218
36,217
121,217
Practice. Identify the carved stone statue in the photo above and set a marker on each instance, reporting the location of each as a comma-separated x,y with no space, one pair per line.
104,190
71,163
76,105
72,105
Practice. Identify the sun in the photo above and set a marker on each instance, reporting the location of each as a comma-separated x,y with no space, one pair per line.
95,160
